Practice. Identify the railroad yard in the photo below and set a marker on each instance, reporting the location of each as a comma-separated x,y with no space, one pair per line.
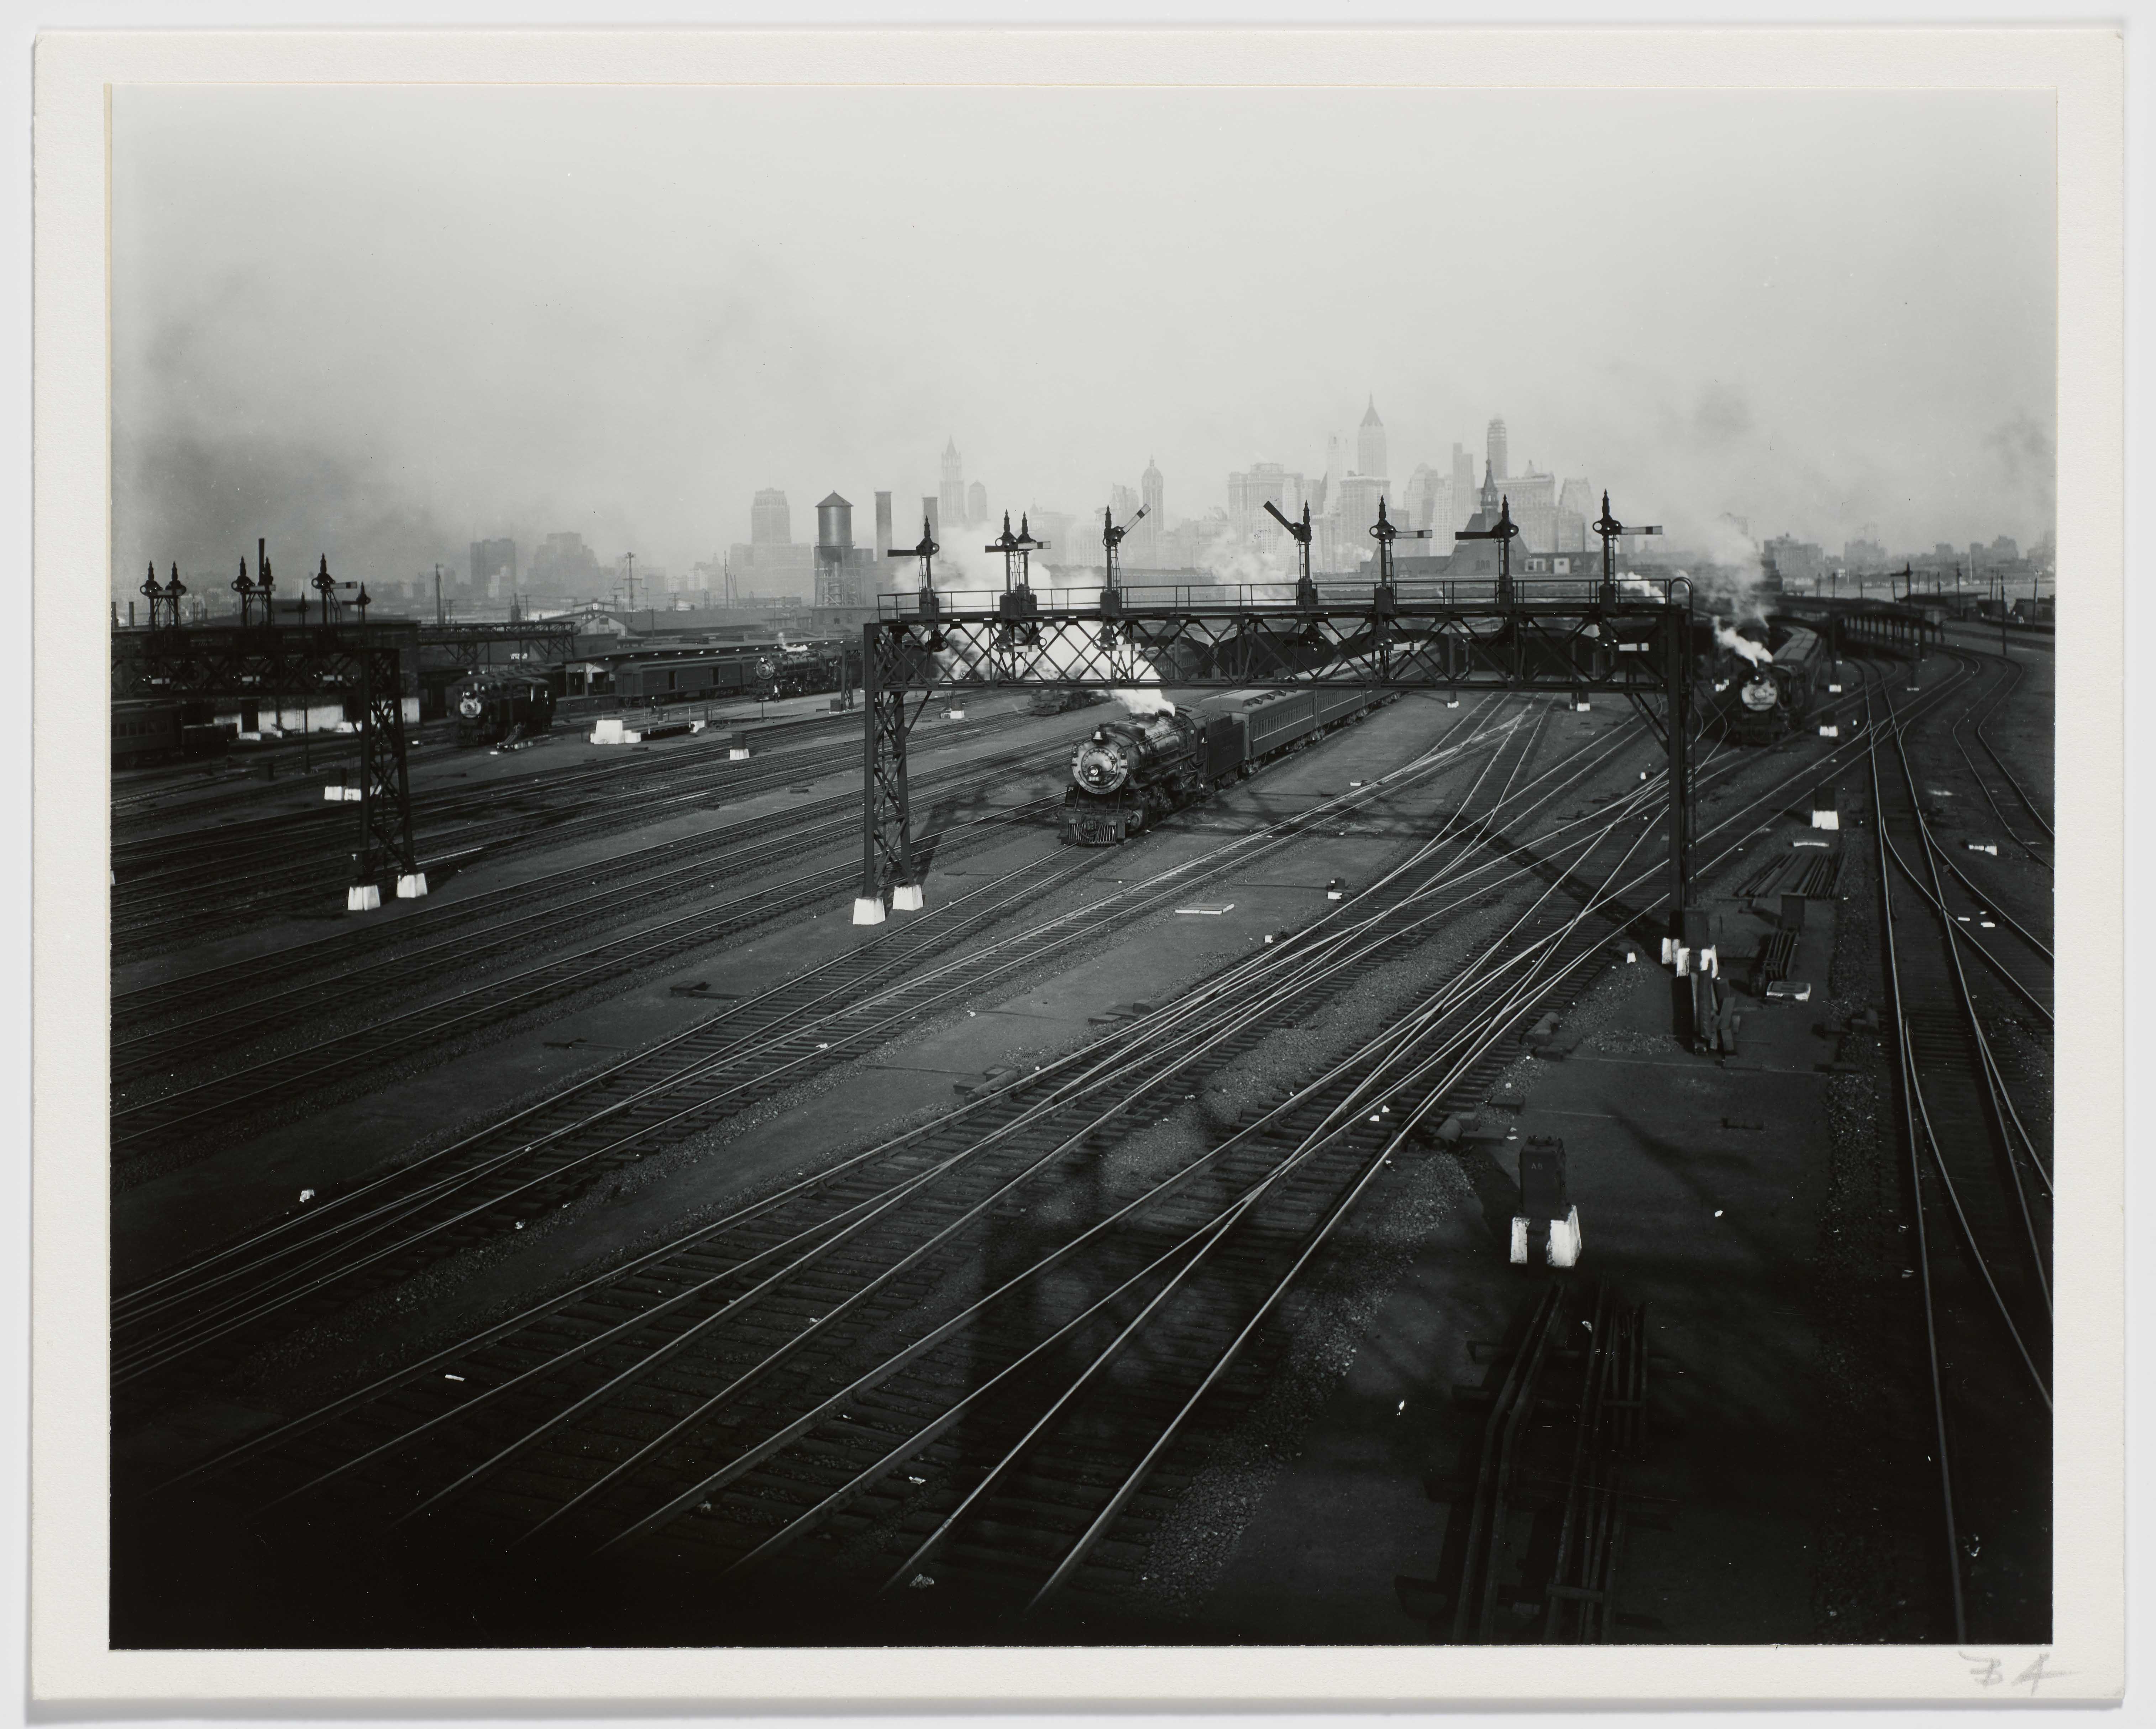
622,1244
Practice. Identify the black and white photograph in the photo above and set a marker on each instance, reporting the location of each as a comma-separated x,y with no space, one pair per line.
1019,863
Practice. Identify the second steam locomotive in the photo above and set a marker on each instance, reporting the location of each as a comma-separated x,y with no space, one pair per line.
1128,774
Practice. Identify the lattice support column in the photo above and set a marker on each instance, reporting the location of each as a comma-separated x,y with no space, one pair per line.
888,877
385,793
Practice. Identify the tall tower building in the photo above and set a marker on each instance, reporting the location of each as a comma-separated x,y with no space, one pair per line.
1370,443
768,522
884,542
977,503
1463,485
1152,491
1495,453
951,496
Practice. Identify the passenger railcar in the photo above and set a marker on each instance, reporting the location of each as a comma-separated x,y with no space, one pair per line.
1130,773
500,706
1761,703
161,730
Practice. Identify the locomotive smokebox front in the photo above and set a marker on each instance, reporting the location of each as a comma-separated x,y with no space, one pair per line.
1761,693
1101,764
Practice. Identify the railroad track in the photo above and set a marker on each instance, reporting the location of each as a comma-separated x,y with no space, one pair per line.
305,1078
661,1096
1981,1188
171,900
367,962
737,1397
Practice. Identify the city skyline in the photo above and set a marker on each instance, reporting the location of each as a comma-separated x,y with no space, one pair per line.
708,334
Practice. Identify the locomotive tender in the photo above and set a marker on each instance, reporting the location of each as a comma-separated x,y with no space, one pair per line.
1128,774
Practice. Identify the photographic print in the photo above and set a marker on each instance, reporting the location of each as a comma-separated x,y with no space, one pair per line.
1038,864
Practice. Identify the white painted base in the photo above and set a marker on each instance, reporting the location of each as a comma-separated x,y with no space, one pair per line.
907,897
1564,1240
411,887
365,897
1581,708
1519,1242
958,714
868,910
737,753
609,732
1826,819
1829,732
342,795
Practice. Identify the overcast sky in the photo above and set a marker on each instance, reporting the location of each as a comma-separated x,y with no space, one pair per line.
380,323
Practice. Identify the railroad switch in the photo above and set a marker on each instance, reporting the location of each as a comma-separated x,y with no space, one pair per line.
1546,1208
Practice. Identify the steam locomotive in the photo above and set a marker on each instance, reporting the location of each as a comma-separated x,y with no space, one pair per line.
499,706
1128,774
1762,703
1049,701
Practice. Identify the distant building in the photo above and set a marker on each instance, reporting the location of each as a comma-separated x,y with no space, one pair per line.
1864,555
564,565
977,503
1370,442
769,562
494,568
1533,498
1250,491
1796,560
1358,513
1463,486
951,496
1416,502
1144,549
1154,491
769,524
1496,454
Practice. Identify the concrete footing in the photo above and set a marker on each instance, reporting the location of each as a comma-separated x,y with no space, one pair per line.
907,897
868,910
411,887
1564,1240
362,897
737,753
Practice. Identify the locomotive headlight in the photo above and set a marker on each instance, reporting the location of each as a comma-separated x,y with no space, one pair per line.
1760,693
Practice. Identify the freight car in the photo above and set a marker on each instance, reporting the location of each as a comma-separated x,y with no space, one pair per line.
498,707
1760,703
1129,774
163,730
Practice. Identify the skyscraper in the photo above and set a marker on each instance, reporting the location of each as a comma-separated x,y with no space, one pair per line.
977,503
769,524
1249,492
884,542
1151,492
951,496
494,568
1463,485
1495,452
1370,443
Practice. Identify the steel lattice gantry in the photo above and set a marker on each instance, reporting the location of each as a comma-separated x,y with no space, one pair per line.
1640,649
359,661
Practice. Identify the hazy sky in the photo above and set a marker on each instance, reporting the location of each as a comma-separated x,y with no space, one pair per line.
379,323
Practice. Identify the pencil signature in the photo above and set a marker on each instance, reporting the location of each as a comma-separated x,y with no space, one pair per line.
1991,1672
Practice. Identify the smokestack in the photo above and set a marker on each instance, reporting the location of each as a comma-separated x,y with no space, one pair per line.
883,541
